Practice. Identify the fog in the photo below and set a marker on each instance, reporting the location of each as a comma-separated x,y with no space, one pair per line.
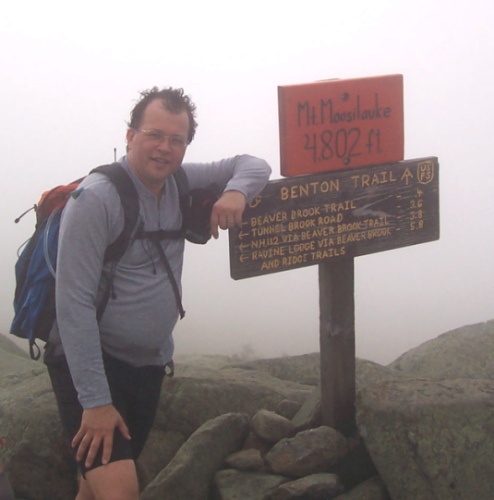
70,73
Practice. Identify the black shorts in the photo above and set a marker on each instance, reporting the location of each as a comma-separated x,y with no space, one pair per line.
135,393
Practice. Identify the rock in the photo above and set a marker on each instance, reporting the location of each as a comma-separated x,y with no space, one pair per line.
7,344
431,438
320,486
246,460
231,484
188,402
467,352
191,471
271,427
36,455
161,447
372,489
6,492
196,364
288,408
309,452
182,397
309,415
304,369
255,442
15,361
368,372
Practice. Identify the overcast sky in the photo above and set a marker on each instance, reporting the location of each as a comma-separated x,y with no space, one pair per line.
71,72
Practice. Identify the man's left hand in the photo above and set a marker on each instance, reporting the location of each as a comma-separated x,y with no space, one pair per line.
227,211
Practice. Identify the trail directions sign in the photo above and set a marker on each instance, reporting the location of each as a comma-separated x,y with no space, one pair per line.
348,193
338,124
305,220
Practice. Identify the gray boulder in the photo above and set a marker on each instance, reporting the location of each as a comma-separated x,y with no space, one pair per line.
309,452
6,492
303,369
371,489
248,460
13,360
431,438
429,433
466,352
320,486
36,458
190,472
271,427
231,484
288,408
7,345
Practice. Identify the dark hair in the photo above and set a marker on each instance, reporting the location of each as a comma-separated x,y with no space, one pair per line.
174,100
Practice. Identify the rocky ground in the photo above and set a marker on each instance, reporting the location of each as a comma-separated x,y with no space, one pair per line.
424,428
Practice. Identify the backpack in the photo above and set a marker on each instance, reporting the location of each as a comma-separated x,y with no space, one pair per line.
35,269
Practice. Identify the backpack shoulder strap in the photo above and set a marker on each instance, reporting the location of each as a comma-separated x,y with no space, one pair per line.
130,204
132,223
182,182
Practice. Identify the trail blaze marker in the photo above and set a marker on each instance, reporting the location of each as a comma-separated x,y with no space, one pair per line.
338,124
347,194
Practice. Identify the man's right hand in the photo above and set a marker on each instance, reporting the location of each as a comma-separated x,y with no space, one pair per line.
97,428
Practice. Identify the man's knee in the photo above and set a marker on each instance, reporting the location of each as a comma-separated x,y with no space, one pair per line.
115,481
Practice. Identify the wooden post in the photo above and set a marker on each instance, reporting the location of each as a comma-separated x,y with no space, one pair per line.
337,341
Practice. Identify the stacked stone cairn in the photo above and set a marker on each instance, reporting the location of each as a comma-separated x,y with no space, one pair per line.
274,455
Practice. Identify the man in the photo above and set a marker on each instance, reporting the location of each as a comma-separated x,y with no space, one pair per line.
117,364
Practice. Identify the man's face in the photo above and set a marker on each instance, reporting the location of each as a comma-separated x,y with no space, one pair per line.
157,148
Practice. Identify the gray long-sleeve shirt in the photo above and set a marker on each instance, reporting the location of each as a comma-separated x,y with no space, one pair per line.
138,321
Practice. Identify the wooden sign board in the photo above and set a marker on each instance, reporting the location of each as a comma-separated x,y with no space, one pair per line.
340,124
301,221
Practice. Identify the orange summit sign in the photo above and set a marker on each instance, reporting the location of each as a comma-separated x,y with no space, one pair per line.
340,124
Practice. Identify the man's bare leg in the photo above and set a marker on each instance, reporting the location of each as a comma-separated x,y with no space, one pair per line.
115,481
85,492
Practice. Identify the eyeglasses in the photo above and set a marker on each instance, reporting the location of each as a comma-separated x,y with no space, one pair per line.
156,136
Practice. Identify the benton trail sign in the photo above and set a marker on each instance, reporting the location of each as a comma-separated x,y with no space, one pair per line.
305,220
348,193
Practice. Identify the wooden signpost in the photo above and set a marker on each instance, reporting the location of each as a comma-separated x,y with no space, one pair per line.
330,215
